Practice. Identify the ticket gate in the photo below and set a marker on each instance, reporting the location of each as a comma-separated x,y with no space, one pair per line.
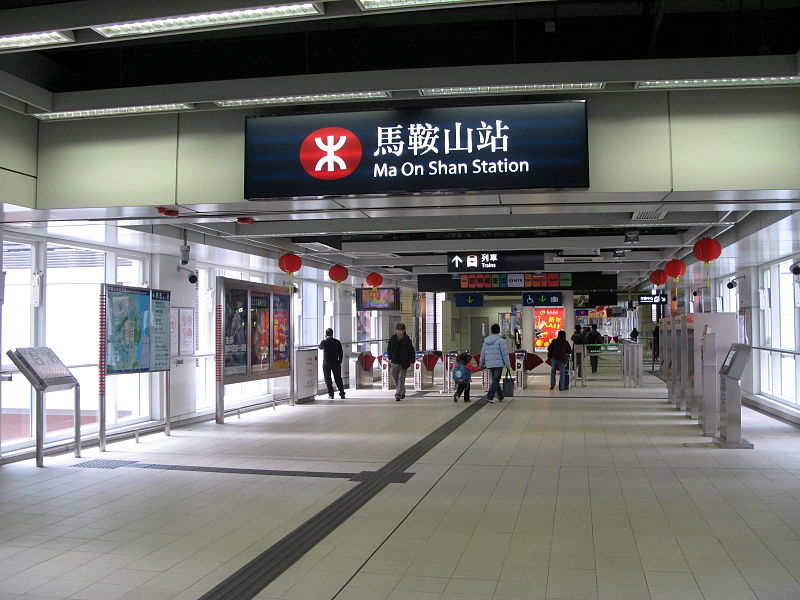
386,381
361,371
450,361
520,371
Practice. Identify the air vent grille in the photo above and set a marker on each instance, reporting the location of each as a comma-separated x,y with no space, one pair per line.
648,215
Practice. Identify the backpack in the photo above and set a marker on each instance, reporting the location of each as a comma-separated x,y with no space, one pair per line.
460,374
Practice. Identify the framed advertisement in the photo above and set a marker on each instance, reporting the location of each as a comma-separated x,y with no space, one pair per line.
186,331
254,330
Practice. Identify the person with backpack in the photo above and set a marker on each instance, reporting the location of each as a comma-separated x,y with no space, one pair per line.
558,352
594,337
462,376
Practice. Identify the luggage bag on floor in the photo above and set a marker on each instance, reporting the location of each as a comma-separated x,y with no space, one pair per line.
508,384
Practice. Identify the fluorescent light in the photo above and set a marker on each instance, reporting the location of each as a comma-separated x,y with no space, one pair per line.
110,112
303,99
211,19
26,40
382,4
510,89
721,82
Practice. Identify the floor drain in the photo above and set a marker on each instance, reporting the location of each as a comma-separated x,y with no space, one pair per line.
101,463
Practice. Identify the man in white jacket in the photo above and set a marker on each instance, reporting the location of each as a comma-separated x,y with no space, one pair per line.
494,356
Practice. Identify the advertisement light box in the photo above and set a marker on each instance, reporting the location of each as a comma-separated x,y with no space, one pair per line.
508,147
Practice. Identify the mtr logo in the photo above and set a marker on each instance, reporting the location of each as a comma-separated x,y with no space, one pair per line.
330,153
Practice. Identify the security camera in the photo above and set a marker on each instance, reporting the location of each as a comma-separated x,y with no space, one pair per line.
731,284
795,268
185,254
192,275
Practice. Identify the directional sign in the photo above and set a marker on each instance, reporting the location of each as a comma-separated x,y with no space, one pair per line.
494,262
469,300
658,299
542,299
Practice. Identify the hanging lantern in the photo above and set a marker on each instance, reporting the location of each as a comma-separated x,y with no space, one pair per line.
374,280
675,269
707,249
658,277
290,263
338,273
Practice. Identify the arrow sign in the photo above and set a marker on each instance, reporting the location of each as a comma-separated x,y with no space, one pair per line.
469,300
543,299
457,260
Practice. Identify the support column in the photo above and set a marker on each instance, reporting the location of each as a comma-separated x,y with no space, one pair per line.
528,326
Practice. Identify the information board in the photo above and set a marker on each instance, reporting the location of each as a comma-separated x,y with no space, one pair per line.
137,329
48,372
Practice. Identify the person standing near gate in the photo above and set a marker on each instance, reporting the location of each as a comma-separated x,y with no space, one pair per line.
494,356
401,354
332,362
595,338
578,340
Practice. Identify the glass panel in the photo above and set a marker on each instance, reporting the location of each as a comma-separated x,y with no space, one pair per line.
74,276
130,271
309,328
17,311
766,371
786,308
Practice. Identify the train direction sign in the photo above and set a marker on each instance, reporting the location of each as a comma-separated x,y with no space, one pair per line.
542,299
494,262
469,300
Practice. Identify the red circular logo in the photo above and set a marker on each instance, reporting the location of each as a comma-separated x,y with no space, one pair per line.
330,153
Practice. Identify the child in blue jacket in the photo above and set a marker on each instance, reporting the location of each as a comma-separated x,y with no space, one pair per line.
462,375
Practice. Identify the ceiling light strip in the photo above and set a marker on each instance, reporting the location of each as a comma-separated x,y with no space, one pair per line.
386,4
211,19
510,89
28,40
719,82
304,99
110,112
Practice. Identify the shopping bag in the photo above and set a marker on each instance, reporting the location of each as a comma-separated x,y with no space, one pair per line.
508,384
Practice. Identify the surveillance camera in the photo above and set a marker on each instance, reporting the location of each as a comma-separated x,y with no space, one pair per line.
185,254
795,268
730,285
192,278
695,293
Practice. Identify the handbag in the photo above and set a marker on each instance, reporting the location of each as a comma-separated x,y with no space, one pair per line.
508,384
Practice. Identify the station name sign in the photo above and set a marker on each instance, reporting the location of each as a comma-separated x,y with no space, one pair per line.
657,299
508,147
488,262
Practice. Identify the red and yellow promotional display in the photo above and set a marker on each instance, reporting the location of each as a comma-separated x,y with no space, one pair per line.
548,321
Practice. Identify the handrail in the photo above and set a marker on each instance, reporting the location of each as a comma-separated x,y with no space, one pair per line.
356,342
781,350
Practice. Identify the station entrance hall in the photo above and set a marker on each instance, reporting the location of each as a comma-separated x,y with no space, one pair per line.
399,300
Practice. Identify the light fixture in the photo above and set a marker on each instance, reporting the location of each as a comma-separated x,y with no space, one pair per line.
631,237
110,112
510,89
718,82
620,253
304,99
209,19
26,40
384,4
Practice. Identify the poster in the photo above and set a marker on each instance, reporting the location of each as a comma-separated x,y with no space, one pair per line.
127,330
235,350
159,330
186,331
548,322
280,332
259,332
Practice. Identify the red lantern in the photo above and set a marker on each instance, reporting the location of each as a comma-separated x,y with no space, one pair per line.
290,263
338,273
675,269
374,279
707,249
658,277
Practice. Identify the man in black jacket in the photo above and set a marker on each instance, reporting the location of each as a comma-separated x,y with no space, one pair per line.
594,337
332,362
401,354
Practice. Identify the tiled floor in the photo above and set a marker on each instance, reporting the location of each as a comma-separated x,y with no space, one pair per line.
597,493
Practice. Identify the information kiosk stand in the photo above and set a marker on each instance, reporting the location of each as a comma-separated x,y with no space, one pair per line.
730,418
46,373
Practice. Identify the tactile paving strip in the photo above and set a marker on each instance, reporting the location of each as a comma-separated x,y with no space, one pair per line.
247,582
101,463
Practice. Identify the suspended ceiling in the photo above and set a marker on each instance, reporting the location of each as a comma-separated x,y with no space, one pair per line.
556,41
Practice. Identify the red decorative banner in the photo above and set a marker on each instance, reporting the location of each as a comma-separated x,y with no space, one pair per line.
548,322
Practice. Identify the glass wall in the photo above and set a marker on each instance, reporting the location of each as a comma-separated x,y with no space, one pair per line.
779,320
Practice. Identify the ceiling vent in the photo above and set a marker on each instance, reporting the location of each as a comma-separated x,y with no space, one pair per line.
578,255
649,215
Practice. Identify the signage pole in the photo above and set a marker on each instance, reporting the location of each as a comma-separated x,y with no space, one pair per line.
167,402
101,410
77,420
39,428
